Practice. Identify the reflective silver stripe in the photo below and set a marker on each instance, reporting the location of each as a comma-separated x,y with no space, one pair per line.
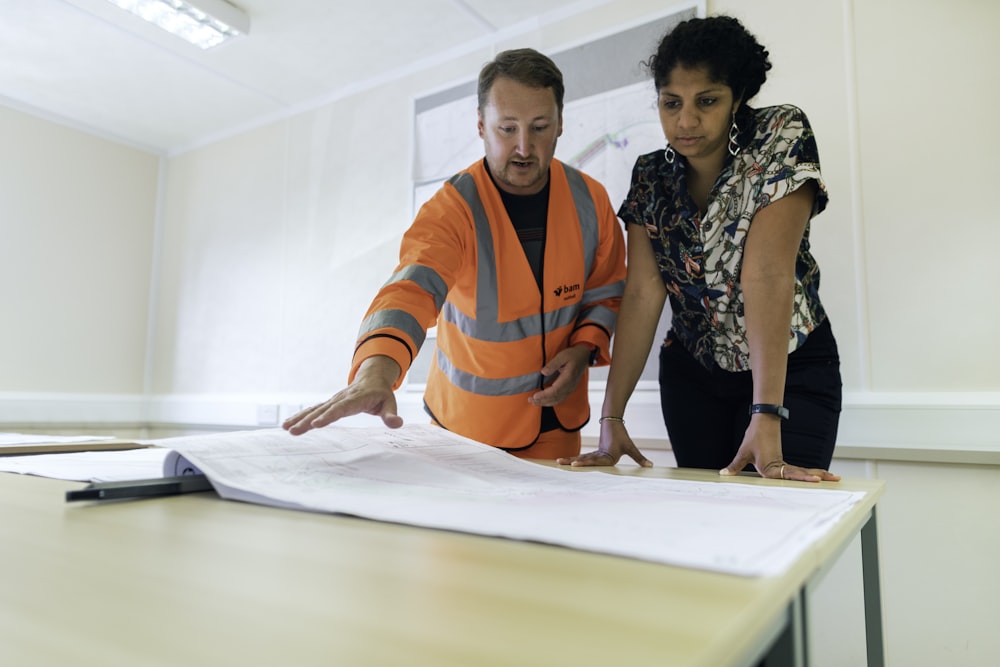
588,215
425,278
565,316
603,292
486,386
600,315
493,331
487,306
394,319
515,330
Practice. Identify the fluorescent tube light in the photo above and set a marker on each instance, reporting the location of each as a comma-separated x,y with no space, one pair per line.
204,23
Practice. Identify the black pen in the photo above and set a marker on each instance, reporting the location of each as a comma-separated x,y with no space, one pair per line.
141,488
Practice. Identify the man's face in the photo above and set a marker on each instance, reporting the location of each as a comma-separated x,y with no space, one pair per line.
519,126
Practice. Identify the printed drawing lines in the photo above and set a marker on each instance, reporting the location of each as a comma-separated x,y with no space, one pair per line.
618,140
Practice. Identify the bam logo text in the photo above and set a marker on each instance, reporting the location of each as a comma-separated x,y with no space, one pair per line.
566,290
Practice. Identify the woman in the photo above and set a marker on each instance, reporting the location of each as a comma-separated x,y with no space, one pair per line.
719,222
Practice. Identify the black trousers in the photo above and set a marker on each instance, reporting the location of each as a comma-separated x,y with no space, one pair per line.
707,411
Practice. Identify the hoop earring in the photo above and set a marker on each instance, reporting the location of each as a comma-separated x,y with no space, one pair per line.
734,134
669,154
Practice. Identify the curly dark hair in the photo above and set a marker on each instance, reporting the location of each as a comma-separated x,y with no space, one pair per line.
526,66
721,44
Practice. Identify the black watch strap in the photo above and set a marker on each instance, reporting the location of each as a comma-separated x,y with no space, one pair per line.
770,409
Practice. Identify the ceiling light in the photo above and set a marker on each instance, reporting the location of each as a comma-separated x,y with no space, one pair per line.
204,23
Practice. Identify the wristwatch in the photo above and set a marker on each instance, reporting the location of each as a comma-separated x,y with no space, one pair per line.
770,409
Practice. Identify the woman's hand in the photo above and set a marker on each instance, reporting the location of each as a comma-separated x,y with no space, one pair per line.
614,443
762,447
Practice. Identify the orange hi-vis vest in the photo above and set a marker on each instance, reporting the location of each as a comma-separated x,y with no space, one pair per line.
462,268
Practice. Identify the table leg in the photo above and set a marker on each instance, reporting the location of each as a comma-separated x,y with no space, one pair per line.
873,593
790,649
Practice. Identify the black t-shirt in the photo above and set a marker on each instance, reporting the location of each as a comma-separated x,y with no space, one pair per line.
528,213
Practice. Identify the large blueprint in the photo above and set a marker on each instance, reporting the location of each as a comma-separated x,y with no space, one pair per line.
425,476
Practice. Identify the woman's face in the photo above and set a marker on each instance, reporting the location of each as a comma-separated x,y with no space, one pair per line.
696,113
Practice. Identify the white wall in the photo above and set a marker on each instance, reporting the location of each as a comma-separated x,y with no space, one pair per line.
76,234
273,241
261,232
927,169
319,201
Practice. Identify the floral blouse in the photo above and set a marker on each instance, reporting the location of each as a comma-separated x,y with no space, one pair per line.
700,257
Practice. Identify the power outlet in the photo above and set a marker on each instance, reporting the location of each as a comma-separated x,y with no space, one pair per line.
290,410
267,414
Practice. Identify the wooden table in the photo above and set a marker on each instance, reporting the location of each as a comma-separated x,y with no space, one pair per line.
195,580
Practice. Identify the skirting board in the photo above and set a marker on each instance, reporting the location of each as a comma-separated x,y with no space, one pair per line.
932,427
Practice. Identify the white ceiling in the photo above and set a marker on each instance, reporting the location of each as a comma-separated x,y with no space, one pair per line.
91,65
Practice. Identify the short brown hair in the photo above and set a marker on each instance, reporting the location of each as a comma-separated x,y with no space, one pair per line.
525,66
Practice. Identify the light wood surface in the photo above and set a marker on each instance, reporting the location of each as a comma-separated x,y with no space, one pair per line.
195,580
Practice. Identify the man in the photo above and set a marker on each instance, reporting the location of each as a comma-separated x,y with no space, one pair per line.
519,261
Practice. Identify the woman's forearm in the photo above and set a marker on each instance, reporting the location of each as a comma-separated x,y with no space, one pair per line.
767,278
637,319
642,304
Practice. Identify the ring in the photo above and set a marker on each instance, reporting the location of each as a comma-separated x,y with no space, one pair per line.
782,471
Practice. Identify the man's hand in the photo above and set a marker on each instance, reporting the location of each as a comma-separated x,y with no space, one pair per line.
568,367
370,393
